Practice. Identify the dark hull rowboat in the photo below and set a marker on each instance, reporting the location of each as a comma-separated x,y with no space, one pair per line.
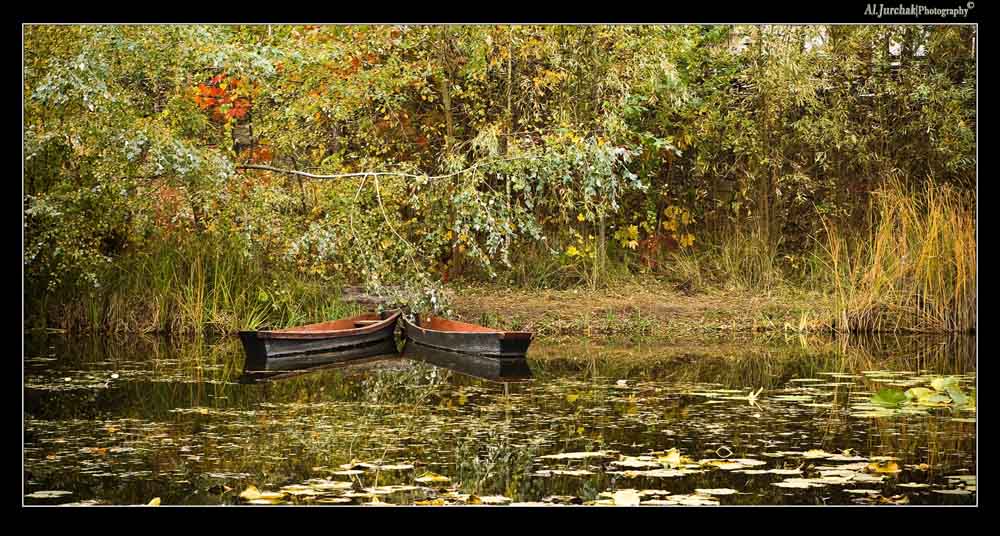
466,338
319,344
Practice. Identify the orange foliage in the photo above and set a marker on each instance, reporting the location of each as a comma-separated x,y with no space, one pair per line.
218,98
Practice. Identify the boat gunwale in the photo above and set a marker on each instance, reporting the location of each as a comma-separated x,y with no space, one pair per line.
486,331
297,333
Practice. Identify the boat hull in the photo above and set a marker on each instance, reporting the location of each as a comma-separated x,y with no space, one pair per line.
297,348
467,338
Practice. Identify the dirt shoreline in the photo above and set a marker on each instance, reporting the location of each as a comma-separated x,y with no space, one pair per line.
653,309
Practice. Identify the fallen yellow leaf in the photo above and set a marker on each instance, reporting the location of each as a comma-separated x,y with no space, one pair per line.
250,493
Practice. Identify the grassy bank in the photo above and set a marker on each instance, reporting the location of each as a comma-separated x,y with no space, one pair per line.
202,288
647,308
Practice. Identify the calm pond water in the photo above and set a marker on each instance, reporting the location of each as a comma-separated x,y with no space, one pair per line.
124,422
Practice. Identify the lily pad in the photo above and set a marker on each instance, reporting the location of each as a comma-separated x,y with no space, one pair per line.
889,397
48,494
432,478
716,491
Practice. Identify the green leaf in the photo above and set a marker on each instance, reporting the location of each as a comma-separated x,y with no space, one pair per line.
942,384
889,397
956,394
917,393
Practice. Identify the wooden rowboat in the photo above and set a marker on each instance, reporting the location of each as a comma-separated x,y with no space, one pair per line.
466,338
319,344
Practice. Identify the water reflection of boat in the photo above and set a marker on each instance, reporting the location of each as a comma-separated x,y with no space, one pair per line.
466,338
317,344
488,368
352,366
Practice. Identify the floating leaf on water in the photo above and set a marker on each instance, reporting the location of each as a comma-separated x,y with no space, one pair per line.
432,478
266,500
952,491
913,485
298,489
889,397
917,393
327,485
864,491
635,463
494,500
716,491
941,384
956,394
935,400
48,494
693,500
725,465
816,454
572,398
388,490
865,478
884,467
673,458
799,483
845,458
348,472
658,473
785,471
562,472
250,493
850,467
394,467
748,462
626,497
334,500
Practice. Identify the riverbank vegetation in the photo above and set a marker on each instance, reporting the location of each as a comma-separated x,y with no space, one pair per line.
216,178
